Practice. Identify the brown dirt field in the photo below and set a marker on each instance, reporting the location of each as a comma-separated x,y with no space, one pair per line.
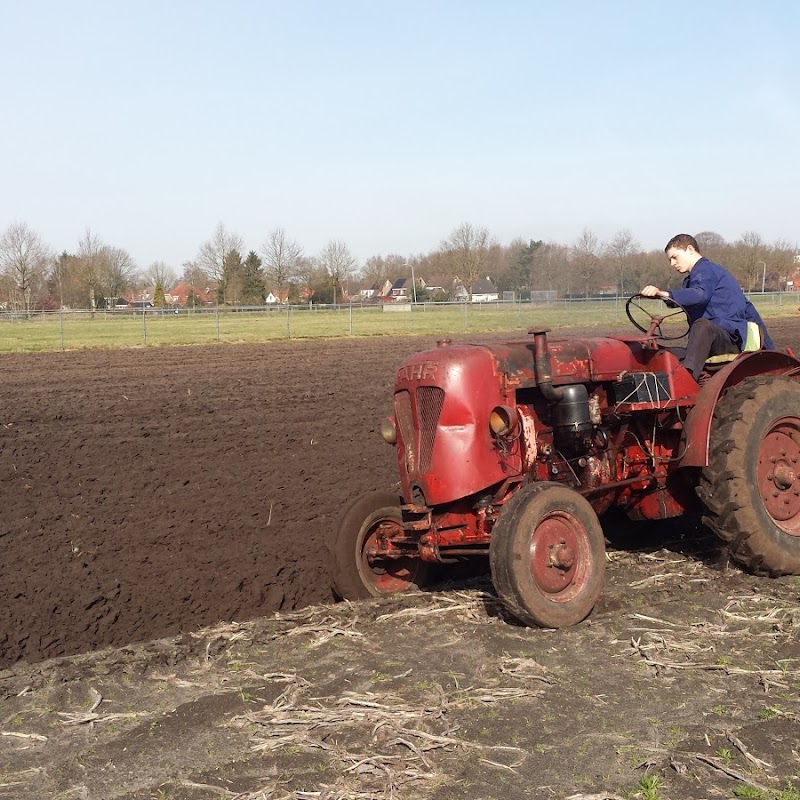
149,494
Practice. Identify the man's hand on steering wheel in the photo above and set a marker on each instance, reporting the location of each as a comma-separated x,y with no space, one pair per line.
654,291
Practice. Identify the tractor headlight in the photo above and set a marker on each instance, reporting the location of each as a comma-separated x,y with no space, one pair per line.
389,431
503,420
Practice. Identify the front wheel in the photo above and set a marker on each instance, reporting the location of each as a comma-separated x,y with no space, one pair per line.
548,556
751,486
357,572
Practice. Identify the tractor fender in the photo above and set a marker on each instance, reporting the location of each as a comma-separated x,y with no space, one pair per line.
697,428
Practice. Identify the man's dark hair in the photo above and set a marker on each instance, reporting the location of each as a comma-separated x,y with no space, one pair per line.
682,241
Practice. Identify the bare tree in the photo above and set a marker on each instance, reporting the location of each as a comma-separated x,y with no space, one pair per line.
653,267
620,252
282,257
58,275
214,252
710,242
160,272
379,269
307,274
65,280
89,267
748,258
781,264
585,254
23,261
192,273
552,271
469,249
117,272
337,260
198,281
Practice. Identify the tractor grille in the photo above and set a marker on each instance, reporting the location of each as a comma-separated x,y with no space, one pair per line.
418,444
405,419
429,402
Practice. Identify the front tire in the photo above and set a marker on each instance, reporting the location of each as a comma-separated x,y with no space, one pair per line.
357,575
751,486
547,556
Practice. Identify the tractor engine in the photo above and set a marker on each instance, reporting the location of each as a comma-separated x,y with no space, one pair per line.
472,424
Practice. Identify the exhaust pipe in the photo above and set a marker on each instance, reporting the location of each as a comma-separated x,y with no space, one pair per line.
571,419
542,366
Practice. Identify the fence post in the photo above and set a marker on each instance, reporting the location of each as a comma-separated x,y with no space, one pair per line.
61,324
217,315
144,323
288,320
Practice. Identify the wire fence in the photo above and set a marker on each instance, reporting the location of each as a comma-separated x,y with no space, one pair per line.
78,329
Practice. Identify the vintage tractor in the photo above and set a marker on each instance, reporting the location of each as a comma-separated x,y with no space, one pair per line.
514,450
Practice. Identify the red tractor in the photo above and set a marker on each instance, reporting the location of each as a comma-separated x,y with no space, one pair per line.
514,450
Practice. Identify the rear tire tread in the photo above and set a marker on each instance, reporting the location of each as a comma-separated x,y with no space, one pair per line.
734,508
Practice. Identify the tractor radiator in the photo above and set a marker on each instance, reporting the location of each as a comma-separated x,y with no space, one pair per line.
418,442
429,405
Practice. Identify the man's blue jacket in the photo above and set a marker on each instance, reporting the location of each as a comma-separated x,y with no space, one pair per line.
709,291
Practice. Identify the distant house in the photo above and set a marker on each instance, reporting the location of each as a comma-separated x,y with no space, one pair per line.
372,292
401,290
385,289
179,295
439,285
484,291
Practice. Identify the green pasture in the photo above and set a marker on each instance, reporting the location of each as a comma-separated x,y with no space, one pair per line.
80,330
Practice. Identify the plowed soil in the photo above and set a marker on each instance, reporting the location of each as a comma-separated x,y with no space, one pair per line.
150,492
146,495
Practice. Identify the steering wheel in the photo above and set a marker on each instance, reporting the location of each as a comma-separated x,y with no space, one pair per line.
653,327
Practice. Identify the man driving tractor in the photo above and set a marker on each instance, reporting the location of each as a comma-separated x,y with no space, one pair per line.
717,308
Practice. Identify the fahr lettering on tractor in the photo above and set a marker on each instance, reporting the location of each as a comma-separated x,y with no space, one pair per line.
512,451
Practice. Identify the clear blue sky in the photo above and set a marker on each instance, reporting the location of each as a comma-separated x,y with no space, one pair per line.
387,124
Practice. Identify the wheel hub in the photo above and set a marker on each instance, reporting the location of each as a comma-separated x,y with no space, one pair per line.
778,475
388,574
784,475
561,556
557,559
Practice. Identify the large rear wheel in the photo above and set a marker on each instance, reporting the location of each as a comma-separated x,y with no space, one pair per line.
358,572
548,556
751,486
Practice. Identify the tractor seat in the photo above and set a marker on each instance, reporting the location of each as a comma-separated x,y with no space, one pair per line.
752,343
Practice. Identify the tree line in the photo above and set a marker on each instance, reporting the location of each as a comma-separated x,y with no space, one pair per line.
94,273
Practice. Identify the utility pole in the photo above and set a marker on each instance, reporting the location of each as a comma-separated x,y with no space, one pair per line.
413,283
